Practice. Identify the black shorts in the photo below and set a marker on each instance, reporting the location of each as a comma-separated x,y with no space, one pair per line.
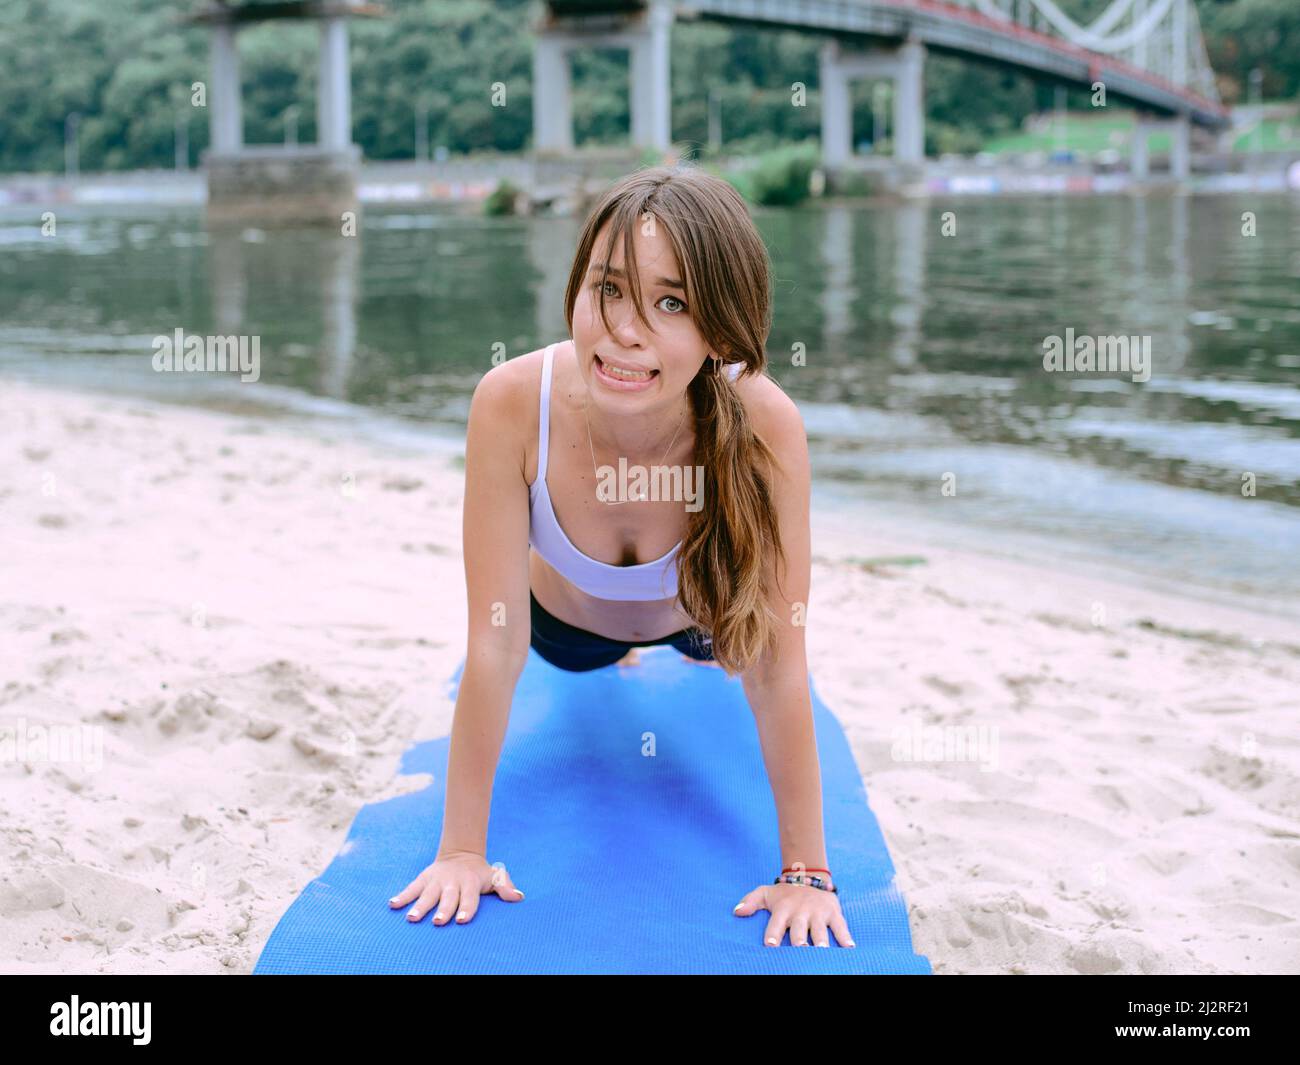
577,650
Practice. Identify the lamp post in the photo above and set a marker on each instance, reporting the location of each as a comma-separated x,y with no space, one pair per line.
1059,124
182,140
421,131
71,160
291,124
1256,95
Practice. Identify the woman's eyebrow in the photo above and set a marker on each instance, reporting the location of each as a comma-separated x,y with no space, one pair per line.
667,282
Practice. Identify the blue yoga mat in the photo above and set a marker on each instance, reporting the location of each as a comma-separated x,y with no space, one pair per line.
632,807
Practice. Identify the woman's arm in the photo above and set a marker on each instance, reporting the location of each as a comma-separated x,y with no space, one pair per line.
777,687
495,534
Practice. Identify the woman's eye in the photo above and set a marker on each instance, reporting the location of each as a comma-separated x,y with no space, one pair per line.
680,306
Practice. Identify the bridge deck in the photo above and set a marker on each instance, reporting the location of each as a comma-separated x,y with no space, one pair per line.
945,27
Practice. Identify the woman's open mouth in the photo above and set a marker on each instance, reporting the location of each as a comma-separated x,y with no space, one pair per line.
624,378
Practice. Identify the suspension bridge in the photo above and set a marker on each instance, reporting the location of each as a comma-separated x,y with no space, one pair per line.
1148,54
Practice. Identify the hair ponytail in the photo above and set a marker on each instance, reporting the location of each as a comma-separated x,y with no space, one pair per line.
722,565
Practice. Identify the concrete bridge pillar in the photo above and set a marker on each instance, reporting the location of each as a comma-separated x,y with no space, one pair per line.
1140,155
905,66
837,112
646,37
272,183
1180,148
909,104
334,96
649,80
552,108
227,113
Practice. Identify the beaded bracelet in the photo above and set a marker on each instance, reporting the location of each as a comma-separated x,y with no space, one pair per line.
810,881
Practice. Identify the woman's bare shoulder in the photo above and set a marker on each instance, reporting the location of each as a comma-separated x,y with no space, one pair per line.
508,394
772,412
512,379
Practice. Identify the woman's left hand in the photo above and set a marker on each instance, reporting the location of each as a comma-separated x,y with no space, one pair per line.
801,909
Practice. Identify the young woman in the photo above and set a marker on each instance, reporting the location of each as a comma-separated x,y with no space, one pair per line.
668,304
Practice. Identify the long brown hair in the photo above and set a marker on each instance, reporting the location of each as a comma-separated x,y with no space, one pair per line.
722,564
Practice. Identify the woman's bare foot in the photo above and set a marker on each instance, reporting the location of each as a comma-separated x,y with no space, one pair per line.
632,658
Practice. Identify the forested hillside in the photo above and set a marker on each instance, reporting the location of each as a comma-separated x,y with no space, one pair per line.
125,67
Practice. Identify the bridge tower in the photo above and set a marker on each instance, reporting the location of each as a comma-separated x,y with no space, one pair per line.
282,183
904,65
644,33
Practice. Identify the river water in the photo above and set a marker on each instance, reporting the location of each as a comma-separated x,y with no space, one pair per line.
911,335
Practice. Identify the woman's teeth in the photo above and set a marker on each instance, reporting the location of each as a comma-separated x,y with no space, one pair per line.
629,375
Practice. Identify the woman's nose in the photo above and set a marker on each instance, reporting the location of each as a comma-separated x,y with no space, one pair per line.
627,326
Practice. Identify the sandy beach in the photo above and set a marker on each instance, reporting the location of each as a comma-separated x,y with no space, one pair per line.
249,617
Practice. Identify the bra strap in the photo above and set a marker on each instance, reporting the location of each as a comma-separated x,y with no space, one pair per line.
544,415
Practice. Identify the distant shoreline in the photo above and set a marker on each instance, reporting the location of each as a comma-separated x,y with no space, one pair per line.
466,183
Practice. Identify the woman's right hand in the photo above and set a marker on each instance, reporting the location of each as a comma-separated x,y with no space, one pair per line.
454,883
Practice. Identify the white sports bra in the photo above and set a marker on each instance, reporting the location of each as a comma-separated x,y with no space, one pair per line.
649,580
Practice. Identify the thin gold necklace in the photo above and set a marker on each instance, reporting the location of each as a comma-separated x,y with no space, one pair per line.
640,497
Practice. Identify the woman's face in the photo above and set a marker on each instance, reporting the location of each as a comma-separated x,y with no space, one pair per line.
670,356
